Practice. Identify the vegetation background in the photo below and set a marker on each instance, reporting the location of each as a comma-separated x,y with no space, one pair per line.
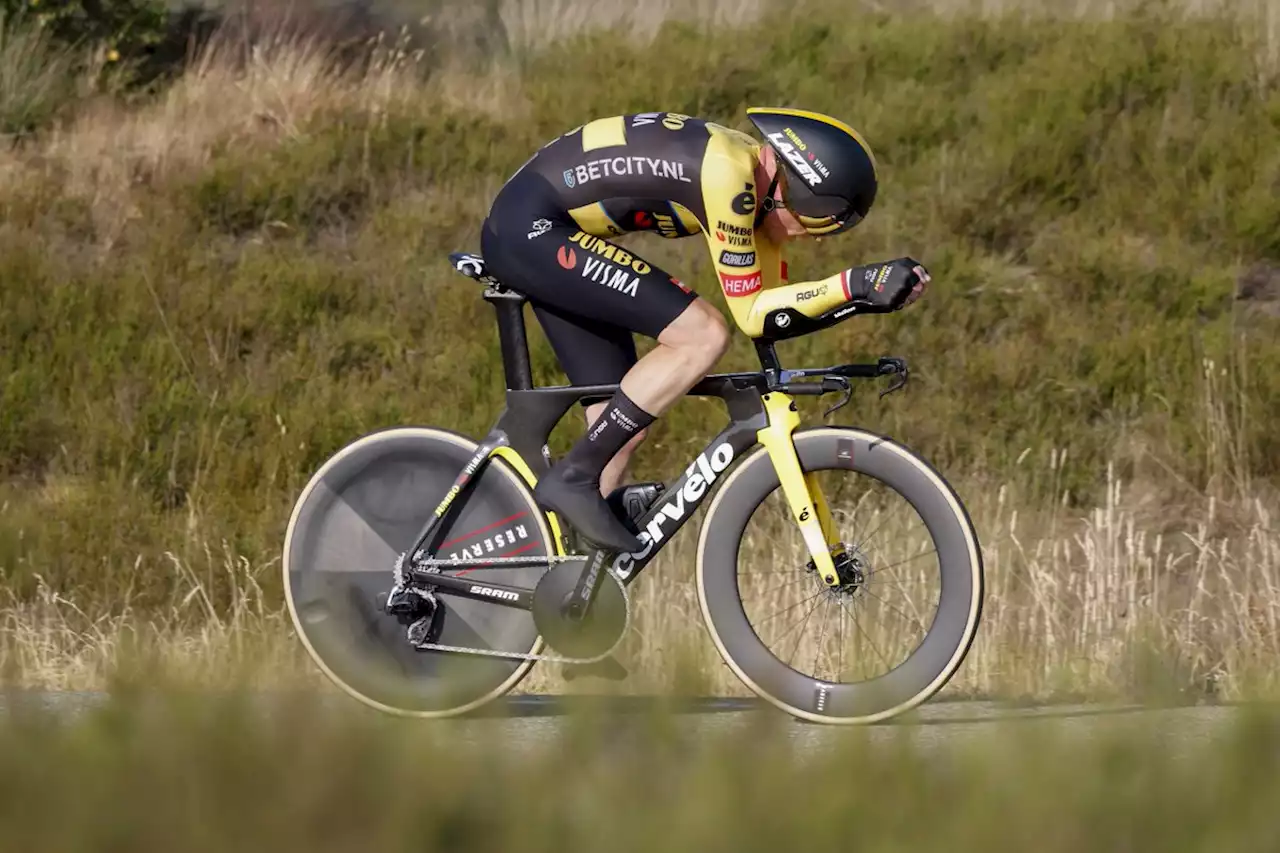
222,256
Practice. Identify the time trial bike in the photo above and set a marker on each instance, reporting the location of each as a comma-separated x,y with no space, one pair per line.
838,574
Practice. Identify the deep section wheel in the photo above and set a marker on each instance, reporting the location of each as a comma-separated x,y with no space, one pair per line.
360,511
901,620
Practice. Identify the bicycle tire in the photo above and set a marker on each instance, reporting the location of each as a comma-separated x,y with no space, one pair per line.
361,509
948,639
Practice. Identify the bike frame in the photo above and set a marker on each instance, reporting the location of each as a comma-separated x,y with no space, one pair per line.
761,411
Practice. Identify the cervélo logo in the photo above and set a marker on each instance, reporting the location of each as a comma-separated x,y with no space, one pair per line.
698,478
740,285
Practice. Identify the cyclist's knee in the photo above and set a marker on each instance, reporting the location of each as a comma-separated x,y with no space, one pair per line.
700,329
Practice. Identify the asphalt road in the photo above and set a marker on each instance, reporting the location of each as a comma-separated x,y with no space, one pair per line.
533,720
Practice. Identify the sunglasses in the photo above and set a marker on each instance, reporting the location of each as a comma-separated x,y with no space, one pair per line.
820,215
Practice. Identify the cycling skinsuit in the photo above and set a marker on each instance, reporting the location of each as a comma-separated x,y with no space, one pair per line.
547,233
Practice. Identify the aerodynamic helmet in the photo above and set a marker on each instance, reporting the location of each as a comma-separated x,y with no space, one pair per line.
829,172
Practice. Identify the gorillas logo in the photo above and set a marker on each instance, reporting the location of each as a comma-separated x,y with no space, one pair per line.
698,478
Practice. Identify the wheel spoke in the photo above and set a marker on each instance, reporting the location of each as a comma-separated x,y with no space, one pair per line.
864,633
822,638
866,540
902,562
789,609
800,635
893,608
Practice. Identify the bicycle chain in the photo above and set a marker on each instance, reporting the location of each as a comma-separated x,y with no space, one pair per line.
524,656
437,565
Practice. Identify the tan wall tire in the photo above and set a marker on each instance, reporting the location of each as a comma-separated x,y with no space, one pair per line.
358,511
950,636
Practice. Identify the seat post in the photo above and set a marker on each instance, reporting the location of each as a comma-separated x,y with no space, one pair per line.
512,337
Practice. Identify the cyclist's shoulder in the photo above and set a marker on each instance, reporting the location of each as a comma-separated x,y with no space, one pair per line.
655,128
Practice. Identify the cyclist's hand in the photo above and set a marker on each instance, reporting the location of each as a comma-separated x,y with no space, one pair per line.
888,286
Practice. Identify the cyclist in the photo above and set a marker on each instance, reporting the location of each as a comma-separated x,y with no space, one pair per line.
547,233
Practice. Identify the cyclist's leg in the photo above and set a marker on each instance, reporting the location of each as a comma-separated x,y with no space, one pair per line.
600,282
593,353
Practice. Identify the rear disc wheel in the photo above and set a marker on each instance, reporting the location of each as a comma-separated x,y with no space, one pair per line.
358,513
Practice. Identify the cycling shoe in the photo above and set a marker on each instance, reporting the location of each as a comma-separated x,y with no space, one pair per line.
581,504
629,503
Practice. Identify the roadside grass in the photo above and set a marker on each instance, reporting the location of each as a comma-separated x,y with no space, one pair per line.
1122,602
200,771
208,291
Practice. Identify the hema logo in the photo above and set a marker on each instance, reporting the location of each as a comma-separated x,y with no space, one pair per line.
699,476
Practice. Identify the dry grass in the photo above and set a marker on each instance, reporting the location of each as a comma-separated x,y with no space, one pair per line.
49,642
1104,604
1133,595
235,95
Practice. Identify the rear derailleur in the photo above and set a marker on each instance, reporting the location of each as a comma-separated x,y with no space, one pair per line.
420,611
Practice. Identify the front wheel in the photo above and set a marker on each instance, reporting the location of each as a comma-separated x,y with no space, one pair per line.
901,620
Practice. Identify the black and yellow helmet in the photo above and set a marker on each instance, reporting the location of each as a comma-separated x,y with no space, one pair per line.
830,172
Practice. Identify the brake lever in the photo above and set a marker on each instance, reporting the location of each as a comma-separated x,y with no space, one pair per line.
898,368
837,382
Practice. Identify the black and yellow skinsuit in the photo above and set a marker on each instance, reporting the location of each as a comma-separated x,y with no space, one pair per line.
547,236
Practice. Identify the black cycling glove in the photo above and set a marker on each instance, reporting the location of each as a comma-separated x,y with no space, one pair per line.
884,286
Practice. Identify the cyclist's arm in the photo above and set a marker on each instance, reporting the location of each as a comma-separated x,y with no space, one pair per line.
749,266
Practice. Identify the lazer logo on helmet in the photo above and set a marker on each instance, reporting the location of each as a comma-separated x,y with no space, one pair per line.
796,159
698,478
594,170
740,285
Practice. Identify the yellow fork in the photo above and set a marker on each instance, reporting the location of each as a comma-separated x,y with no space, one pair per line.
801,490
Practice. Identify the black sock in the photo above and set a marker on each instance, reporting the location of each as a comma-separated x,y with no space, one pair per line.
621,420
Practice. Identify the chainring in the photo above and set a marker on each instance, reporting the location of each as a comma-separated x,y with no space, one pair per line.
594,636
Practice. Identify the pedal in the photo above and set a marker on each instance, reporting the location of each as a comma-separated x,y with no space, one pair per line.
608,669
630,503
